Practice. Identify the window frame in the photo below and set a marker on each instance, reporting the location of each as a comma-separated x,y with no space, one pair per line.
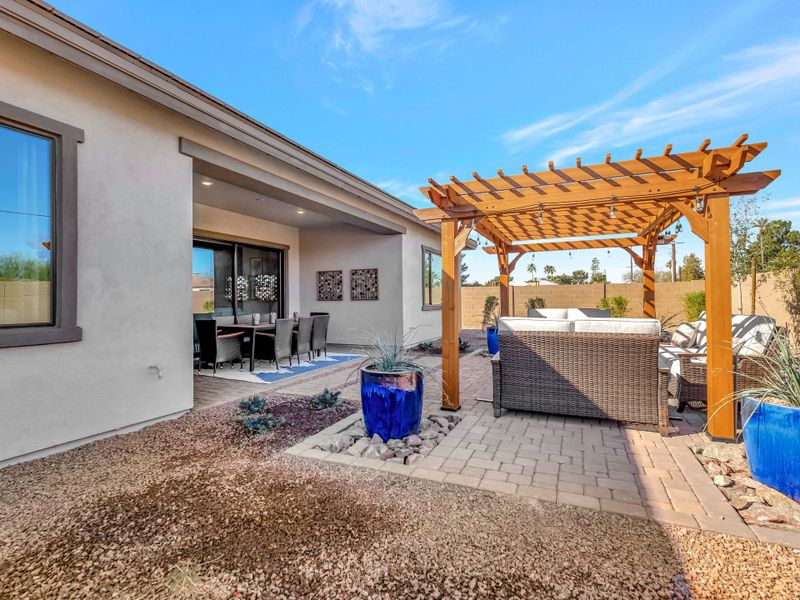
426,305
64,225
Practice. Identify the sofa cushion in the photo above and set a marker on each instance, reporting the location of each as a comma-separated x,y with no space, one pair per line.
652,326
668,354
753,333
588,313
700,337
533,324
547,313
684,335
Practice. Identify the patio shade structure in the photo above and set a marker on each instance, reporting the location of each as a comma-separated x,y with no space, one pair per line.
615,204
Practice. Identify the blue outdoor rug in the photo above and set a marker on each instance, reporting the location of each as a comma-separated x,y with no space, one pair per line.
267,373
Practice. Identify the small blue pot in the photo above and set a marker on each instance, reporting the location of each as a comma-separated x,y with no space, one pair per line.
391,402
492,340
772,441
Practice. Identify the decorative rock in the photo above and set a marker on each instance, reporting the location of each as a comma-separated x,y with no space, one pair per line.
724,452
425,424
413,459
413,440
388,454
760,513
741,502
372,452
376,439
342,443
430,434
403,452
722,481
358,448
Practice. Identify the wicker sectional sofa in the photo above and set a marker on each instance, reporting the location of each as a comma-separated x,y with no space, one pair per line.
585,367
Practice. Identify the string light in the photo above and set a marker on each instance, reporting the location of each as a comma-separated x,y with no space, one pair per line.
540,213
698,201
611,212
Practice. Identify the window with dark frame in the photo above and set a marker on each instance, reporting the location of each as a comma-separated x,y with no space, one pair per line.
38,229
431,279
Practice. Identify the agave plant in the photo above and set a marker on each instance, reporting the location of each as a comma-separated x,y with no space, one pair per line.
780,383
391,353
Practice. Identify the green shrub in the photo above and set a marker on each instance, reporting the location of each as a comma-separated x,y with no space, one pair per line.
327,399
535,302
617,304
463,345
425,346
253,405
257,424
694,303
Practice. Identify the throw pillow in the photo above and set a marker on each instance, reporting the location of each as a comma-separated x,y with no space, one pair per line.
684,335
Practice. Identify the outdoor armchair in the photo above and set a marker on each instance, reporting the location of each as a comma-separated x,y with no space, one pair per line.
217,348
278,345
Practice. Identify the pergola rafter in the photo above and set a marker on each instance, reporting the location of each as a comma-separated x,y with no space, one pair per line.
613,204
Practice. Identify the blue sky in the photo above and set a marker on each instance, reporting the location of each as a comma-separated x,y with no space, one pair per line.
401,90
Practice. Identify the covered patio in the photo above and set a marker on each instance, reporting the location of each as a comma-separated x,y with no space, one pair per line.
615,204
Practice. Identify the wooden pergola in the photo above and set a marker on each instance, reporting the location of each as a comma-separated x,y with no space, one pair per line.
615,204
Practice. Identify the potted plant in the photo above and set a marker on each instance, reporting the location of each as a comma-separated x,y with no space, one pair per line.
391,388
771,420
489,323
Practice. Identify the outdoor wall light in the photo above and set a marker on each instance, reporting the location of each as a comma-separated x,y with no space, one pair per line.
301,211
207,182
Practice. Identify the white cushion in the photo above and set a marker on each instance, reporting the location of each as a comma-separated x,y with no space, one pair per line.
668,354
700,336
529,324
753,334
547,313
684,335
652,326
588,313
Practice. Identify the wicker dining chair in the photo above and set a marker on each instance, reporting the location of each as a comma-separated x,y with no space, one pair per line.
301,338
217,348
319,334
278,345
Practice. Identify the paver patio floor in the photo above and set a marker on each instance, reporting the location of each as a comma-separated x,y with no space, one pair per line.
582,462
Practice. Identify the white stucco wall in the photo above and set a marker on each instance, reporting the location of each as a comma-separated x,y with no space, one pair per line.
344,247
134,268
427,324
236,225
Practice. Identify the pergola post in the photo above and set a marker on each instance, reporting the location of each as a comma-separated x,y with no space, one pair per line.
450,325
649,277
502,263
721,410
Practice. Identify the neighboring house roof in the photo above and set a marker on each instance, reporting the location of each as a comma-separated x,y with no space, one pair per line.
81,45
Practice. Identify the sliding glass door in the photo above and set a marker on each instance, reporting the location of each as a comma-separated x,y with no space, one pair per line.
229,278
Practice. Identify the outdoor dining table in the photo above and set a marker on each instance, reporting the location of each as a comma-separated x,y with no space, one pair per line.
251,329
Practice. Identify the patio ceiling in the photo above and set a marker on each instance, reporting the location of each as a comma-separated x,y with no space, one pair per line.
622,204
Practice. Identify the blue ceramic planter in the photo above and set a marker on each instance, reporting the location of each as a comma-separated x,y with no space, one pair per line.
772,441
492,340
391,402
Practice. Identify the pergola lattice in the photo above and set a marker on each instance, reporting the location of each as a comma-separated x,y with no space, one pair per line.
614,204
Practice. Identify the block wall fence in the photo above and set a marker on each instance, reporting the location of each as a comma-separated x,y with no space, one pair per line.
668,299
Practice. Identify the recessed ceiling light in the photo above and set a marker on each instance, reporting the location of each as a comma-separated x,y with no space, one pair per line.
300,211
207,182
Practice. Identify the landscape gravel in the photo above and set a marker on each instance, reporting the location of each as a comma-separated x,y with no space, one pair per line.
197,508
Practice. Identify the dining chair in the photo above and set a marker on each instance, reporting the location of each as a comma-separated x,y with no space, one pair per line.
217,348
278,345
301,338
319,334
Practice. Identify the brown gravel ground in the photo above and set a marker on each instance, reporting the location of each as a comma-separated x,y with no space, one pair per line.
195,508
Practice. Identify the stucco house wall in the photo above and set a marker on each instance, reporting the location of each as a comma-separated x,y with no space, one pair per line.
135,221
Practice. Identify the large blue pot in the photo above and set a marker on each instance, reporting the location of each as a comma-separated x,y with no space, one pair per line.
492,341
772,441
391,402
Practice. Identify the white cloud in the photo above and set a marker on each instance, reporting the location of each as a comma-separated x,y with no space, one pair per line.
404,190
771,205
757,80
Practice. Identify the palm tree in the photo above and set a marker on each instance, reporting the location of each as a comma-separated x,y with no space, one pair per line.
549,271
532,269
